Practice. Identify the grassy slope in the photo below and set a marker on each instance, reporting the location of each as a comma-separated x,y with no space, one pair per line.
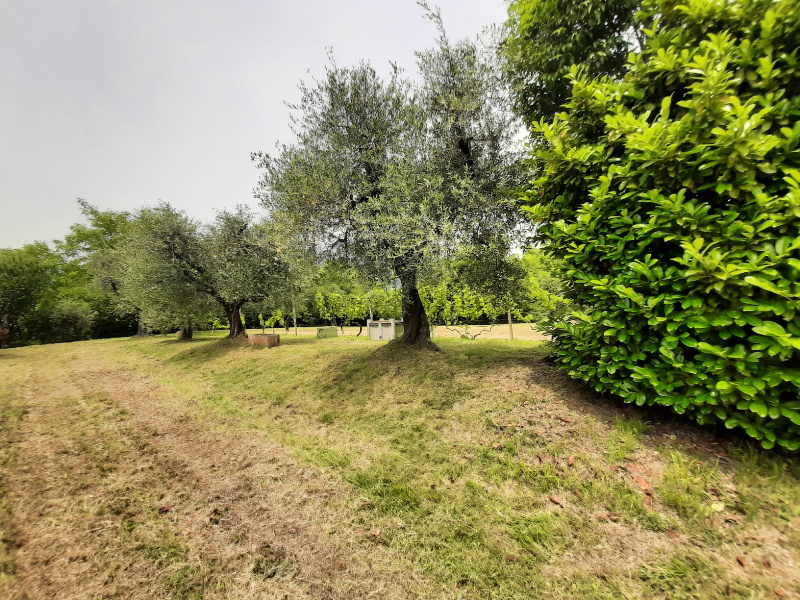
481,468
11,413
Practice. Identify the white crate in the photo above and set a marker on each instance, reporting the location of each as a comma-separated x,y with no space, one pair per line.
385,330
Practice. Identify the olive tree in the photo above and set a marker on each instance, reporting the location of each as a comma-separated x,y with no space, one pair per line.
176,266
494,271
393,176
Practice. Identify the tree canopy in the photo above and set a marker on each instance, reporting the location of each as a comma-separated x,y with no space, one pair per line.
545,38
390,176
174,266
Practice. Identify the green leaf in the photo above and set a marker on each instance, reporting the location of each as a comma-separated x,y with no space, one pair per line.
767,285
759,408
772,329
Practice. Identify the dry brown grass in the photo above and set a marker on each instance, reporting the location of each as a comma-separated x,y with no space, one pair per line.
119,492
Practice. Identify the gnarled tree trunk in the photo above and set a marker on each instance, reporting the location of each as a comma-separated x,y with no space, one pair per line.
417,330
234,314
141,329
186,333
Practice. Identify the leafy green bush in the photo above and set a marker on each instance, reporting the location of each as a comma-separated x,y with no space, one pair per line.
544,37
71,320
673,197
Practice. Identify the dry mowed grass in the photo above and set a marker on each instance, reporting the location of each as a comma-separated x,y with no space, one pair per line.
340,468
522,332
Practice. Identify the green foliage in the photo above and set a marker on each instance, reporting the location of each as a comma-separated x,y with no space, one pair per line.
341,309
24,277
385,303
90,252
276,318
544,38
453,304
159,245
494,271
42,289
673,198
175,268
71,319
544,286
391,176
486,282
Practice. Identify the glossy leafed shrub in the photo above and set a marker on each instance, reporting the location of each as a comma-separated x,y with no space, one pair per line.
673,197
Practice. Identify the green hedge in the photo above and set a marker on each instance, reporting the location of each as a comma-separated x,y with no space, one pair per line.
673,198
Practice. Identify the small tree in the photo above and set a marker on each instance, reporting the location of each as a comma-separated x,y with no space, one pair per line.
276,318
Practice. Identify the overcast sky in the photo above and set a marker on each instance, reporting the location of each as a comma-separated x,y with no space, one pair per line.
126,102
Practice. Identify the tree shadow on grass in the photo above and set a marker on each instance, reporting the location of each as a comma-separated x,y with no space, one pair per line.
201,350
663,429
420,375
300,340
442,374
173,341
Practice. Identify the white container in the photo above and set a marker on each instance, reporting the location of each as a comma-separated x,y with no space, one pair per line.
385,330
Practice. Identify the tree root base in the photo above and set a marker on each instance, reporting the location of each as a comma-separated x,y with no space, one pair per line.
426,344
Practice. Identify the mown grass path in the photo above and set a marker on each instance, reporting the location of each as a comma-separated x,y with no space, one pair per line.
339,469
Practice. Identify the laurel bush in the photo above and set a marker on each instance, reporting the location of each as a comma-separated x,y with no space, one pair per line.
673,197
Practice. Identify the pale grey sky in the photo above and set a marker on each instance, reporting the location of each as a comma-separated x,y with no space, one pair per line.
125,102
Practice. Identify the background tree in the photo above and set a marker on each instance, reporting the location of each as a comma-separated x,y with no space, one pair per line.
25,275
544,38
497,274
673,199
275,318
152,277
71,319
92,248
298,257
391,178
454,305
341,310
544,287
231,261
243,264
384,303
